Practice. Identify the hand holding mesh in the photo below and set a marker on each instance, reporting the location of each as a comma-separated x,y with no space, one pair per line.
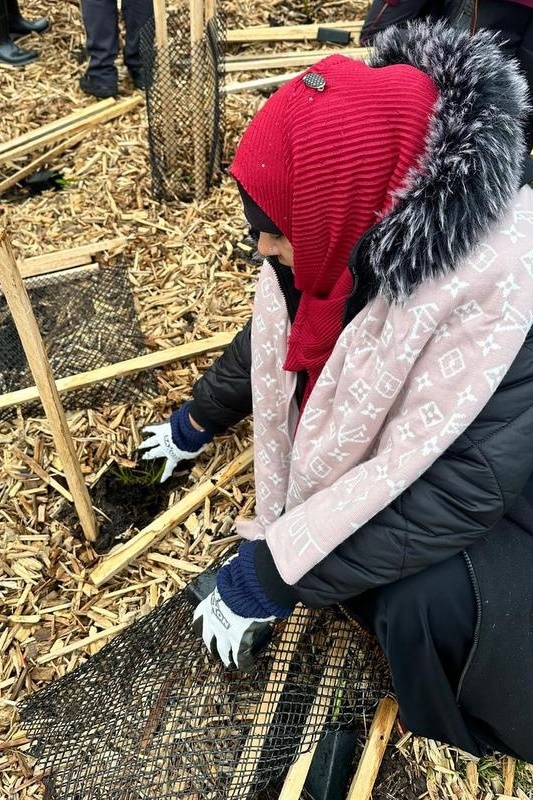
227,635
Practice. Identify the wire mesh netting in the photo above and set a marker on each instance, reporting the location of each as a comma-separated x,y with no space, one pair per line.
153,716
185,105
87,320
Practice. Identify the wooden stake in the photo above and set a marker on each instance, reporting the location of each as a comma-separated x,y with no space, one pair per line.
164,84
285,33
258,83
241,785
79,123
38,470
197,96
59,124
28,330
46,158
131,365
122,555
297,774
210,10
65,259
81,643
287,60
374,750
509,769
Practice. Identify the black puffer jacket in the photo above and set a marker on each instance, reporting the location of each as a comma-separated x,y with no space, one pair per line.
468,490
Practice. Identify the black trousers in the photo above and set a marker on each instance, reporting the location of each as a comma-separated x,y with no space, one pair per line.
101,21
425,625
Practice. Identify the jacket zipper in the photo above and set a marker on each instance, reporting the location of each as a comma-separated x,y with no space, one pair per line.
473,649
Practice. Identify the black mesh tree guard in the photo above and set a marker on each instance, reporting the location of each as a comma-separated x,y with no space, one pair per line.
87,320
176,110
153,716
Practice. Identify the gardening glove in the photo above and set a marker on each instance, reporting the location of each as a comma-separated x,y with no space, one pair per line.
234,619
227,635
175,440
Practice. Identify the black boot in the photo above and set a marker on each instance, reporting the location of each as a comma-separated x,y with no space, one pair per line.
9,52
19,26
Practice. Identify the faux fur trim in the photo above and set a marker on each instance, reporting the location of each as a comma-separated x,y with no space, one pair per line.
473,160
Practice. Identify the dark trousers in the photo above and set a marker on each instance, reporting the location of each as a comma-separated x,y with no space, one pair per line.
4,22
514,24
101,21
425,625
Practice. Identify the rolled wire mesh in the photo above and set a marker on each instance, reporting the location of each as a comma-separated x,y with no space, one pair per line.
183,101
87,319
152,715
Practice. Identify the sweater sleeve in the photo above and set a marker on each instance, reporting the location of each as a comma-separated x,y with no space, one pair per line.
459,499
223,395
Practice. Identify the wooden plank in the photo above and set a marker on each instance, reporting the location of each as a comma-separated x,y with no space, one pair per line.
83,643
38,470
285,33
131,365
30,336
258,83
45,158
163,83
241,783
244,58
297,774
68,258
284,60
374,750
75,126
197,103
58,124
509,770
210,9
125,553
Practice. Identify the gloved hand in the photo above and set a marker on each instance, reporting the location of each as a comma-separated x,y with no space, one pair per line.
227,635
234,618
175,440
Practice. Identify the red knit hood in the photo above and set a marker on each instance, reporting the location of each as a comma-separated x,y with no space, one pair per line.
324,166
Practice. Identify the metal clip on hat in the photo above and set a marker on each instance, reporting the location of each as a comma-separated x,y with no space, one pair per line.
314,81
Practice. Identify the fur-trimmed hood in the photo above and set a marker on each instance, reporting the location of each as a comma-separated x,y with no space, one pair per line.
472,164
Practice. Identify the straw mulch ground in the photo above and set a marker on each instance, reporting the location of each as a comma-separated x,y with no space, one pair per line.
188,284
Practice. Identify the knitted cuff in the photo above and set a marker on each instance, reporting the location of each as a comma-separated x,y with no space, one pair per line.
240,589
184,435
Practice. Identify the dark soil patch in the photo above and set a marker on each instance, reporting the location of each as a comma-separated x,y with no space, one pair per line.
128,499
398,779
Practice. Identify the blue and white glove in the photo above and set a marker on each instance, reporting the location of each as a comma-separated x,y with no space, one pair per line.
235,617
175,440
227,635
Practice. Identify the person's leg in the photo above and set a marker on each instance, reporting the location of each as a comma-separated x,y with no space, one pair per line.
135,14
19,26
100,18
9,52
425,625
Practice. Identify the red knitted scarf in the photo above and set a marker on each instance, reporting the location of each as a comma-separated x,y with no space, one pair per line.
324,166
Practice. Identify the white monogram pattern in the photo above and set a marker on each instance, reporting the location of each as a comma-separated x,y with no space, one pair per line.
402,383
